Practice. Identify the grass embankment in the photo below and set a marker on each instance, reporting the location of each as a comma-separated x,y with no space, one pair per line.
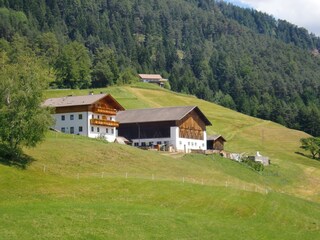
76,188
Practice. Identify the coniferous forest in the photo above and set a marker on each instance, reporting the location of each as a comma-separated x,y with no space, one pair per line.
239,58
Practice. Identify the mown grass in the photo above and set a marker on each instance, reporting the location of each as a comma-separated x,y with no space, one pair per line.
80,188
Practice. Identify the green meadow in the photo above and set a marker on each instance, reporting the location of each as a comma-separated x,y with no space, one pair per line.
73,187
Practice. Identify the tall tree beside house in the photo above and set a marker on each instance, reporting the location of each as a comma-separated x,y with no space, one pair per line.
23,122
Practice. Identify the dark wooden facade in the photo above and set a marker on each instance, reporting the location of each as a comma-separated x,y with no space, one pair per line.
215,143
191,126
145,130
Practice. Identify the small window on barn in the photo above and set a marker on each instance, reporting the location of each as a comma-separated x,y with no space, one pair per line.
136,144
143,144
107,130
80,116
80,128
92,129
159,142
63,117
71,117
98,116
92,116
112,131
72,130
63,129
98,129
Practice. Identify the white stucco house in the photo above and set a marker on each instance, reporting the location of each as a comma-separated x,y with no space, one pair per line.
91,115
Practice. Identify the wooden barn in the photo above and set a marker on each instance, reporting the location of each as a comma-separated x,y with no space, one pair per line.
180,128
215,142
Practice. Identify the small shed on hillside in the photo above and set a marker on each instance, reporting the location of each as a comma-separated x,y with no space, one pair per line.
153,78
215,142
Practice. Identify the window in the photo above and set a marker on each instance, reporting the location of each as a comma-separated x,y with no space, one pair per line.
63,117
112,131
92,129
80,116
63,129
143,144
110,118
92,116
107,130
98,129
98,116
136,144
80,129
71,117
159,142
150,144
72,130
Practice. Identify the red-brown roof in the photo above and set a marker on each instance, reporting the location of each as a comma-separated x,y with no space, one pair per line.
79,101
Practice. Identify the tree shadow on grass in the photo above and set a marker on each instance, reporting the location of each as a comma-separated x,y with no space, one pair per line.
14,159
307,156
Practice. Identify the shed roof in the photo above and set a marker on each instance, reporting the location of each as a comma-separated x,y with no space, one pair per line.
150,76
215,137
79,101
158,115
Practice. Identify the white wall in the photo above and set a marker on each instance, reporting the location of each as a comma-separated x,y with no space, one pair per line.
179,144
67,124
110,133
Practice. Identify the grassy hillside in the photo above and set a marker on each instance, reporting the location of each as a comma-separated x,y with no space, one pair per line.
80,188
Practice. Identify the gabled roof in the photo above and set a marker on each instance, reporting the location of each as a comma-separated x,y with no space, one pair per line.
79,101
158,115
150,76
215,137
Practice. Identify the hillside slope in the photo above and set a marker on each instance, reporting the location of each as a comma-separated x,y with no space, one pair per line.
291,172
80,188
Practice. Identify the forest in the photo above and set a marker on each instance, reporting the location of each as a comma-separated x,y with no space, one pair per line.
239,58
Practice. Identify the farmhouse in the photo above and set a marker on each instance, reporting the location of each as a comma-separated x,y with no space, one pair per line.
180,128
92,115
153,78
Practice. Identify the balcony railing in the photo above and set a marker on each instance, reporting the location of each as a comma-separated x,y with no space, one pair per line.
108,111
103,122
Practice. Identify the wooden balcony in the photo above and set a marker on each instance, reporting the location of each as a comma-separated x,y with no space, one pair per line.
103,122
108,111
